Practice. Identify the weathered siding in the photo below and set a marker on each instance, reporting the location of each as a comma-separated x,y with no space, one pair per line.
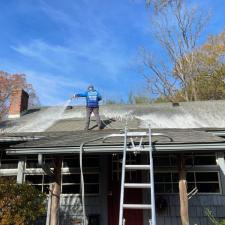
71,207
197,206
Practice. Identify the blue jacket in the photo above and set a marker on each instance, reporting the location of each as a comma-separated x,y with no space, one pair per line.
92,98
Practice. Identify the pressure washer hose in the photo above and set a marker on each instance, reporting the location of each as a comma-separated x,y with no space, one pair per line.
82,183
82,177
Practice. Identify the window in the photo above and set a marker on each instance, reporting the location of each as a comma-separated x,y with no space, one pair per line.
70,175
8,162
206,182
32,162
41,182
205,159
88,161
131,176
71,183
191,160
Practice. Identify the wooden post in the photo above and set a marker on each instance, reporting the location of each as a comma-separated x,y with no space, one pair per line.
56,191
183,192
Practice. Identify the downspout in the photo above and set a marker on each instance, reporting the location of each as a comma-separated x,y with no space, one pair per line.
82,177
49,172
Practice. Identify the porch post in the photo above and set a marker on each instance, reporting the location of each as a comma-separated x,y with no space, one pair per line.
183,191
21,168
56,191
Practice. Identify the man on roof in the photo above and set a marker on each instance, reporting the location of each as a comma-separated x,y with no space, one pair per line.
92,98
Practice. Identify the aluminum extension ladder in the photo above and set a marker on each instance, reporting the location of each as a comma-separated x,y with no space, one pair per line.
138,149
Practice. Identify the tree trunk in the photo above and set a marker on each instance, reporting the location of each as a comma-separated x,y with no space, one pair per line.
194,92
183,192
56,190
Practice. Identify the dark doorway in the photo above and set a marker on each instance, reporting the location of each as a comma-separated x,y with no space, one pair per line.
133,217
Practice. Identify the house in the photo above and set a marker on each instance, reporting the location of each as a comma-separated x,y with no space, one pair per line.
30,139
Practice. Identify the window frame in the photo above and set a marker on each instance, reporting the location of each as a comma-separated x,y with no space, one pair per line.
67,171
195,182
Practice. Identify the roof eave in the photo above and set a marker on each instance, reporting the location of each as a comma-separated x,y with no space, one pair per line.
116,149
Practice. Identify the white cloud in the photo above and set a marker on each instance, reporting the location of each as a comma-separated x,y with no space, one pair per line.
53,89
89,37
52,55
66,58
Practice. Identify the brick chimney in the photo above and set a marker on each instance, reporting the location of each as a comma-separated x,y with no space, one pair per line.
18,103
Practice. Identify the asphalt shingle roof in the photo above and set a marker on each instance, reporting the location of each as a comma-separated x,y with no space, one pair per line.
184,123
71,139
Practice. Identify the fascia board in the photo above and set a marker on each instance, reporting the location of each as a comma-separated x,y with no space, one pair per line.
115,149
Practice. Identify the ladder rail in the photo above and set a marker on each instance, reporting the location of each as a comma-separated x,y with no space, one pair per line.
153,211
125,167
123,179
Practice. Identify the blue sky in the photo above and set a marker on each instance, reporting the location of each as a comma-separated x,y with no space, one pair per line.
62,46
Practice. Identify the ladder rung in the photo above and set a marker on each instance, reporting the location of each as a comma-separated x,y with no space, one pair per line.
137,185
137,167
136,206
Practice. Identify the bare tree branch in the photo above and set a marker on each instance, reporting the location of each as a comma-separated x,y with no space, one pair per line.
177,28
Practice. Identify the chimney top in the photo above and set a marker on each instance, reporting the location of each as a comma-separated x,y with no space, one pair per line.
18,103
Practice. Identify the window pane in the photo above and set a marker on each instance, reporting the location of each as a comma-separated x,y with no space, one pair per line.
168,188
208,187
173,159
162,177
205,160
32,163
91,189
49,162
206,176
91,178
175,188
91,162
70,189
189,160
47,179
175,177
46,189
190,186
190,177
162,161
9,164
71,178
159,188
34,179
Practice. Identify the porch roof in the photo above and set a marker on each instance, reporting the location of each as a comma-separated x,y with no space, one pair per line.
69,142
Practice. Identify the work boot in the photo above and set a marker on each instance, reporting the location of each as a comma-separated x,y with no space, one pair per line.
100,128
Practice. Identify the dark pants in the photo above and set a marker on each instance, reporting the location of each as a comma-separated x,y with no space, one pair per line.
89,111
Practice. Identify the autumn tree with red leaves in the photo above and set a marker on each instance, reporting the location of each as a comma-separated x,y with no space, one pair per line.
10,82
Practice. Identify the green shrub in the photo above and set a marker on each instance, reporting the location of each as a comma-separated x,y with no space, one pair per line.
20,204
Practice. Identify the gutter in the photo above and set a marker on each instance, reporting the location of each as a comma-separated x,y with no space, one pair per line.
116,149
217,133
